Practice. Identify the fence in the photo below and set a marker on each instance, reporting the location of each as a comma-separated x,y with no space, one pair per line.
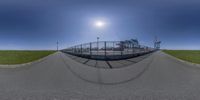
108,50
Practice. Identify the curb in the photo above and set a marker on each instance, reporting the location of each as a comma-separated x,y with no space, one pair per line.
26,64
182,61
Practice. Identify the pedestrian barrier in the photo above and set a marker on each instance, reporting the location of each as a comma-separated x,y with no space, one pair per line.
109,50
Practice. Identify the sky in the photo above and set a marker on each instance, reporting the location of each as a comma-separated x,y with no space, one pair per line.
39,24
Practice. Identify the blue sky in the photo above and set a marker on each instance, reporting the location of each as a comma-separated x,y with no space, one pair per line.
39,24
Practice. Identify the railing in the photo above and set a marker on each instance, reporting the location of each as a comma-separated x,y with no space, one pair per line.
108,50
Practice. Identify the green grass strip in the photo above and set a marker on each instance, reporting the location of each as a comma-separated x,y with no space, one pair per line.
187,55
10,57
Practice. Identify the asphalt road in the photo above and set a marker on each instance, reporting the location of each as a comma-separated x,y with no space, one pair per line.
51,79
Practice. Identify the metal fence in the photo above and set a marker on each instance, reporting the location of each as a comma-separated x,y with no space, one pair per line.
108,50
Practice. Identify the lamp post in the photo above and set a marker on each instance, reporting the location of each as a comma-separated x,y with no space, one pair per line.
57,45
97,45
99,24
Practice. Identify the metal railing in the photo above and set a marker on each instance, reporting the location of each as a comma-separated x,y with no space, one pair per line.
108,50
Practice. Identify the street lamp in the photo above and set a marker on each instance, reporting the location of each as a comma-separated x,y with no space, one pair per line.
57,45
97,45
99,24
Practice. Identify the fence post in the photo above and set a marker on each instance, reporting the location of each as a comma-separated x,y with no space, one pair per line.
81,49
105,48
113,47
133,48
75,50
122,46
90,48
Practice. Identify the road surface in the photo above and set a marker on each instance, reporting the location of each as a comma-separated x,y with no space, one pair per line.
163,79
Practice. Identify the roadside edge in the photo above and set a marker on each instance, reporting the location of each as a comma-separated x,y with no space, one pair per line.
26,64
182,61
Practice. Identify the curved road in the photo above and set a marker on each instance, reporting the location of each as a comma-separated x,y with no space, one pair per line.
51,79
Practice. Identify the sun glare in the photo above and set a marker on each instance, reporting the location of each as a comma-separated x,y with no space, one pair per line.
99,23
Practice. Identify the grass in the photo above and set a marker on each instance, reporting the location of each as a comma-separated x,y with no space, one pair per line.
9,57
187,55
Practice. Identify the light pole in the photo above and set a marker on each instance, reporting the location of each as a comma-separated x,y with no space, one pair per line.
57,45
97,45
99,24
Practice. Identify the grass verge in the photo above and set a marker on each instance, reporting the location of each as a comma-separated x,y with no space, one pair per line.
187,55
10,57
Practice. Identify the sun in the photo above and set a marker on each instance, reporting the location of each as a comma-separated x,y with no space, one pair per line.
99,23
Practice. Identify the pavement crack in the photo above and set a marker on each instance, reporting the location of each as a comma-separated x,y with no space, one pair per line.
131,61
110,66
86,61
